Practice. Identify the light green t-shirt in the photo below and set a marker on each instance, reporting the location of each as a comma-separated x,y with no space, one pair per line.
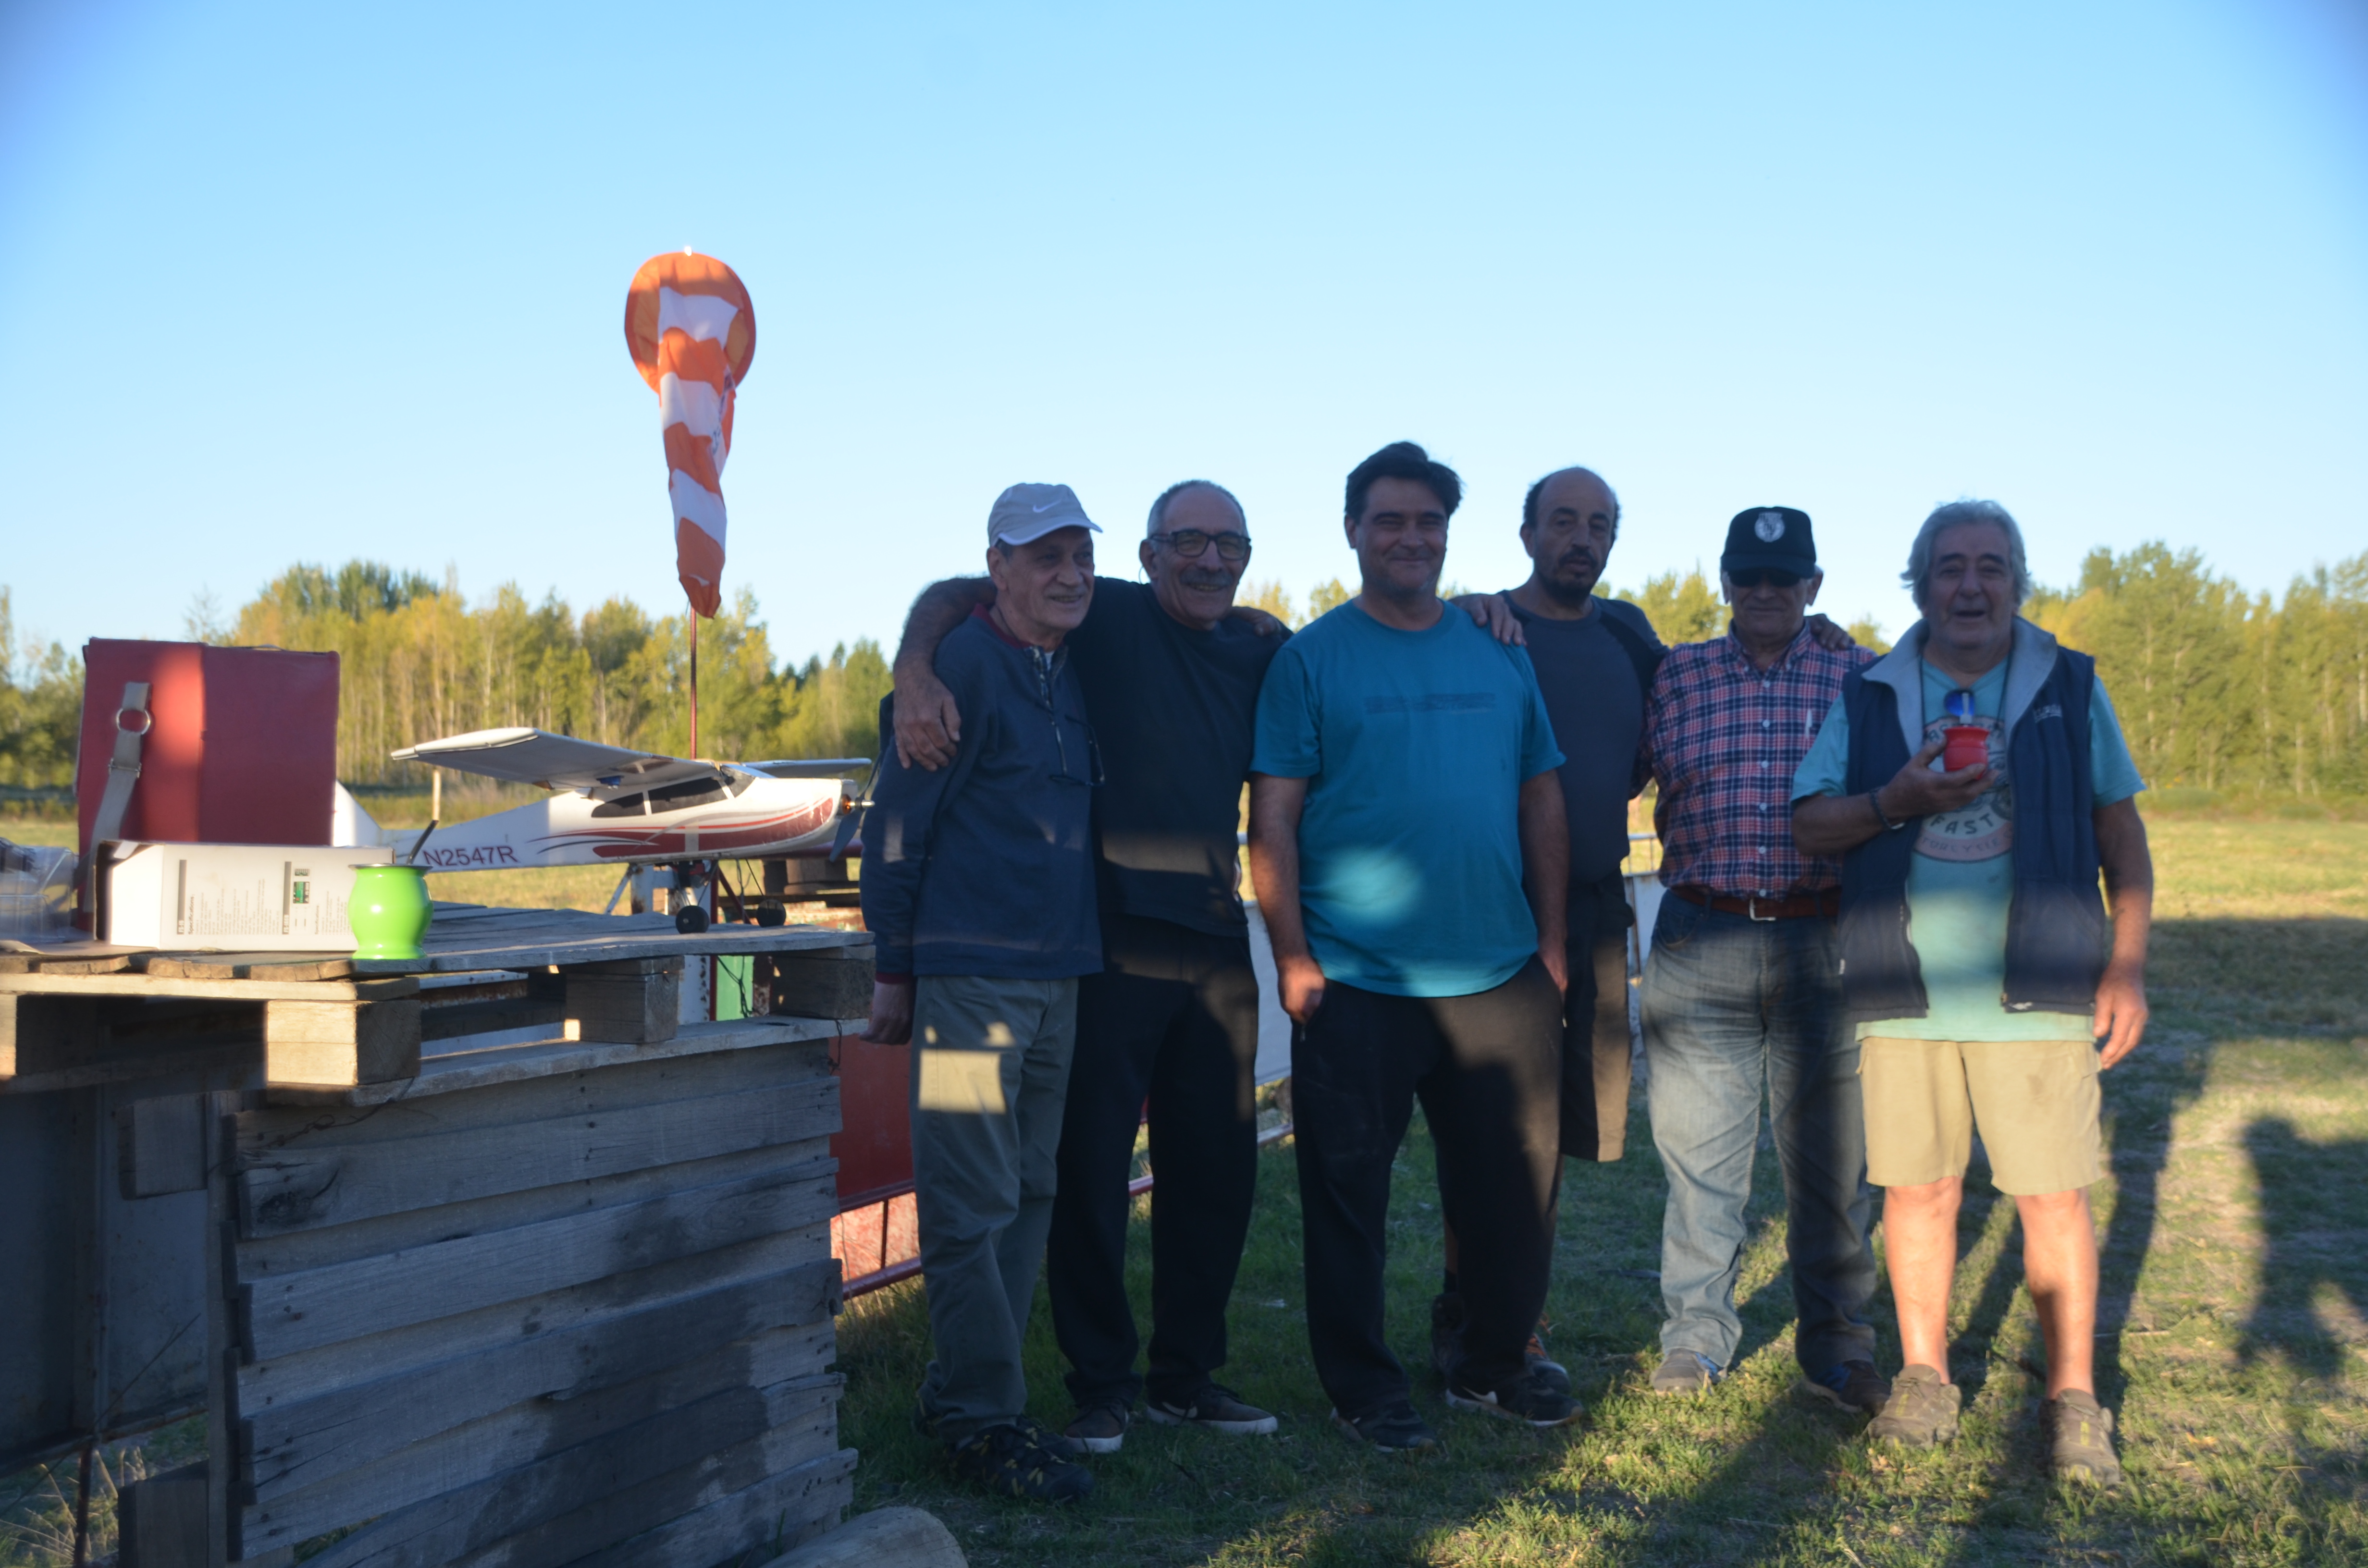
1960,877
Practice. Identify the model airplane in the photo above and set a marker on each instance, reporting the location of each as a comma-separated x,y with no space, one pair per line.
611,805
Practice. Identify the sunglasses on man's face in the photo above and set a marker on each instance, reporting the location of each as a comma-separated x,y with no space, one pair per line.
1756,575
1193,543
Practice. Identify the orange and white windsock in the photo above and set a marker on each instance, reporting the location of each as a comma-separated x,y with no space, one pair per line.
693,332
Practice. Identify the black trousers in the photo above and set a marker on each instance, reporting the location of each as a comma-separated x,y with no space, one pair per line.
1486,1069
1595,1045
1173,1017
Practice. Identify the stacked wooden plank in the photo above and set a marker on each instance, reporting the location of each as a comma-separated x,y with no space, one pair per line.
582,1316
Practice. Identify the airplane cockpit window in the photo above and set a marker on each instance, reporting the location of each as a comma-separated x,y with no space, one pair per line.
676,797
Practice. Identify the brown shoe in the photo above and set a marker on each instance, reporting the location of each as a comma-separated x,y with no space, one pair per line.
2080,1439
1920,1413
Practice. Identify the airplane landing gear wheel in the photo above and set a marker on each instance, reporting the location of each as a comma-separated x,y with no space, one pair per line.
690,920
771,915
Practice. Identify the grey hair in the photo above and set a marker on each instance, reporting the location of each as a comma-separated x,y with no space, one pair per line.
1159,507
1918,575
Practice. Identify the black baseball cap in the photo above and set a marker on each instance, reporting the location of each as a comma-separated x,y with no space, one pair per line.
1770,537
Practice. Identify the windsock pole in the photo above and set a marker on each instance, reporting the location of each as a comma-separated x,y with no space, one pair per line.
694,683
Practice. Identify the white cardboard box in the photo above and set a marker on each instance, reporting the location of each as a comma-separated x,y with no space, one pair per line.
231,897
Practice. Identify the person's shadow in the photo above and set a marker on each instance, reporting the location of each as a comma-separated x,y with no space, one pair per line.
2311,1244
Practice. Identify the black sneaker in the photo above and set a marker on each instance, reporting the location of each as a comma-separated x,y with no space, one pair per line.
1216,1408
1058,1444
1532,1399
1007,1461
1853,1385
1447,1322
1101,1428
1392,1429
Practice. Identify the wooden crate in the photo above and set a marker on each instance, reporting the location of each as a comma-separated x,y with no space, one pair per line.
580,1317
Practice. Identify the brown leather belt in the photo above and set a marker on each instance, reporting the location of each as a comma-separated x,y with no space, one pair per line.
1792,906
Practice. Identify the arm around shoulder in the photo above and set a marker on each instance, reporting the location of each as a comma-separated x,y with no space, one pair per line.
928,722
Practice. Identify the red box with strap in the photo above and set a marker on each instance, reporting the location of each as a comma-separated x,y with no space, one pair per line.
202,744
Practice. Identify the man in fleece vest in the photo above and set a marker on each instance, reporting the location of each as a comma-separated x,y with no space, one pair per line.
1986,984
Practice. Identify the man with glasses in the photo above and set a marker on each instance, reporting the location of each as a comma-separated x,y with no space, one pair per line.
1171,673
978,884
1740,994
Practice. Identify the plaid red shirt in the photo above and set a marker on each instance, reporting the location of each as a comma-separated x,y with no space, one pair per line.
1723,739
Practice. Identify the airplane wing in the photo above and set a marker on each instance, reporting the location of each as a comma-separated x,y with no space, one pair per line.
557,762
811,767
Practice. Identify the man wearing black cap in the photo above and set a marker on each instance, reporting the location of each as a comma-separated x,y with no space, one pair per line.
1740,995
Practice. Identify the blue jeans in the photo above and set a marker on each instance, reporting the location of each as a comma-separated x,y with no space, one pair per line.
1736,1007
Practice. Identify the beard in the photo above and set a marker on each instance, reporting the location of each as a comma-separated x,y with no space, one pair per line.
1388,587
1558,586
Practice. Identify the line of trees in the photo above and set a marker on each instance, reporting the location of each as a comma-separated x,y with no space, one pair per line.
2219,689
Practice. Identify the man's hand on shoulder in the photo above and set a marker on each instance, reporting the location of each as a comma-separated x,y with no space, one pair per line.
1827,635
1493,613
928,724
1258,620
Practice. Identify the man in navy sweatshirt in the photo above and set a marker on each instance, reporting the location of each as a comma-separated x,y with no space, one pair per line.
978,886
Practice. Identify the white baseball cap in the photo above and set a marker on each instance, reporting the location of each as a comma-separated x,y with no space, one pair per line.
1027,512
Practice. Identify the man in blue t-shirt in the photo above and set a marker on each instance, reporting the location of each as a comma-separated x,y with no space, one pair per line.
1411,858
1977,962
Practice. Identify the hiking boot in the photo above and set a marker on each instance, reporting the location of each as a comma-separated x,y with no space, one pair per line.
1060,1445
2080,1439
1216,1409
1853,1385
1392,1429
1532,1400
1007,1461
1921,1411
1101,1428
1685,1371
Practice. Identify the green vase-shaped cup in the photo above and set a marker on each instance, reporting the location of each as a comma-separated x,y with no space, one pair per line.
389,910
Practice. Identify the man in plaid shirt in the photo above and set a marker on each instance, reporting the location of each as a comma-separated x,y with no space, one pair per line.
1740,993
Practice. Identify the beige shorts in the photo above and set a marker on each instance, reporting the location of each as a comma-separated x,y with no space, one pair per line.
2035,1102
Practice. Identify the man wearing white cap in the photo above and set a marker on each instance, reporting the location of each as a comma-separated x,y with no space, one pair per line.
978,886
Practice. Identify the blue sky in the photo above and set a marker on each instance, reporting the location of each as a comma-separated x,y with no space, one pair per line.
290,283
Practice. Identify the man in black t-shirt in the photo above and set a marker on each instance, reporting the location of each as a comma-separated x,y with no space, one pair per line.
1170,674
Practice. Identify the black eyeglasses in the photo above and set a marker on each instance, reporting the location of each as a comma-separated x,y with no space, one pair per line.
1193,543
1751,577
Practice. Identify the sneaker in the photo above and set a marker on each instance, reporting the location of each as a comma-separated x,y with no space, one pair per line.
1685,1371
1540,1365
1853,1385
1532,1400
1920,1413
1447,1323
1101,1428
1060,1445
1215,1408
2080,1439
1006,1459
1392,1429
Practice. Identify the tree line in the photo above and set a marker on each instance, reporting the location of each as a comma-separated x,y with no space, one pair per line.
2218,688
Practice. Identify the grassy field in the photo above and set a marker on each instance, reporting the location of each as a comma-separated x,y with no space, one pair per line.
2234,1344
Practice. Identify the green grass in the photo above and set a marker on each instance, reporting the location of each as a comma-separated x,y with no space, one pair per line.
2235,1304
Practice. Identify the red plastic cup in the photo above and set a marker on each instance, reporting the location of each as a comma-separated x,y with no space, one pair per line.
1968,746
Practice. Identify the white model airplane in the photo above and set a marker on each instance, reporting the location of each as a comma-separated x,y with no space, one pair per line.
611,805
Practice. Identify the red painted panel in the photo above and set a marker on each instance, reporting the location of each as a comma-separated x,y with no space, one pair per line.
875,1146
241,747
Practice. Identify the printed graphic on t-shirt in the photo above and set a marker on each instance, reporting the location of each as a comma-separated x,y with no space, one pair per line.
1984,830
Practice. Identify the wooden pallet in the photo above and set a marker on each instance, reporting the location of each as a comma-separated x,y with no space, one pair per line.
581,1316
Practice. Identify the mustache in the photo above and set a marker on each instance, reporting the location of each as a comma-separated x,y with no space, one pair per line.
1204,578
